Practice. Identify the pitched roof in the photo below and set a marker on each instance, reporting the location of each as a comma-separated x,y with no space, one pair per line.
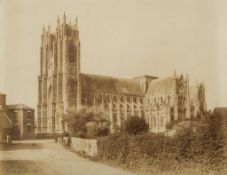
160,86
5,122
2,94
107,84
18,106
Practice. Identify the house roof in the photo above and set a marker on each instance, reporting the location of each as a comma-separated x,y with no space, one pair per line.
107,84
161,85
5,122
18,106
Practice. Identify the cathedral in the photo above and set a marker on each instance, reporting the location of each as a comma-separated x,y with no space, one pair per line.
62,86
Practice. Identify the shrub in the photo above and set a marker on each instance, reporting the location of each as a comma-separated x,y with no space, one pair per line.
136,125
171,124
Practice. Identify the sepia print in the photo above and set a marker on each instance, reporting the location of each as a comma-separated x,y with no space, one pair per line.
113,87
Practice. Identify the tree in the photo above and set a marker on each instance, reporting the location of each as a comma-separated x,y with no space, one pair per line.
87,124
135,125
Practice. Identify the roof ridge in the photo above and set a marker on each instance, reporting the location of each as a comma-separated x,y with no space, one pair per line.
107,76
19,106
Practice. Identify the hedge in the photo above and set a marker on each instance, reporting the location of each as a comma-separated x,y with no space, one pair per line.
202,148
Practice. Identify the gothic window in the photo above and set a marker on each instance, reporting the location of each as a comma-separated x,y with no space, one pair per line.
83,100
168,99
122,108
134,99
128,108
114,99
60,86
99,100
114,108
162,123
122,99
61,53
90,100
106,106
141,100
71,86
192,111
29,128
154,121
172,114
40,91
72,52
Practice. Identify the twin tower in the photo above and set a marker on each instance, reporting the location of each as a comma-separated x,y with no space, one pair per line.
59,87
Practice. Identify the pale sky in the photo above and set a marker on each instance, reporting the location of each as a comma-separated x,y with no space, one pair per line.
124,38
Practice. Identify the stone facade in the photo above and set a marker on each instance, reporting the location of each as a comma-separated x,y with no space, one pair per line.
62,87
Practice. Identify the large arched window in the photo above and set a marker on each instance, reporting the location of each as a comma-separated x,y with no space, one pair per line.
72,52
172,114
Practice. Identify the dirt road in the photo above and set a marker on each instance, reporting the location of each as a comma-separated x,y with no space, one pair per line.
44,157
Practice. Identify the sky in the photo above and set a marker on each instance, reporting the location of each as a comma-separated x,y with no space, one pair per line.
121,38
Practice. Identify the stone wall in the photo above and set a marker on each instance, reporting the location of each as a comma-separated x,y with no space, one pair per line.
85,146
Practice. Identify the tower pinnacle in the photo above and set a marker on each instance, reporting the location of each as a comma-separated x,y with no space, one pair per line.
58,21
175,73
64,18
48,28
76,23
43,29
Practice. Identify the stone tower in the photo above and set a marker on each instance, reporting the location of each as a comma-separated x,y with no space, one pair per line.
59,85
